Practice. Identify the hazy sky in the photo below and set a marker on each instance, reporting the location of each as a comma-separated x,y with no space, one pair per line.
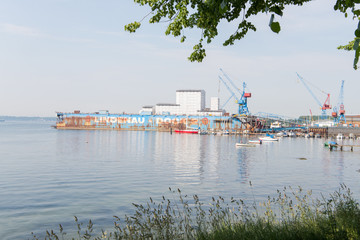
62,55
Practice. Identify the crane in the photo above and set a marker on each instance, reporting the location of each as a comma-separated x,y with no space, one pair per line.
326,105
229,89
242,100
339,110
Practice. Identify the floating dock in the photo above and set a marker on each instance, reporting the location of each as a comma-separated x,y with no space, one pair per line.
137,122
342,146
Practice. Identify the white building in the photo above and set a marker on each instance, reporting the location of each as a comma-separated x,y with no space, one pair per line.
214,104
190,101
147,110
167,109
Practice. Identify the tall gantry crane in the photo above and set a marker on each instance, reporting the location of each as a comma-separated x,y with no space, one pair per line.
339,110
242,100
326,105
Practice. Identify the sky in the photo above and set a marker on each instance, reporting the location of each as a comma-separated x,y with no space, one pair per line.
66,55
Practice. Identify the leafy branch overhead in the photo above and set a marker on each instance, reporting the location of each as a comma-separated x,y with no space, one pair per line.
207,14
344,6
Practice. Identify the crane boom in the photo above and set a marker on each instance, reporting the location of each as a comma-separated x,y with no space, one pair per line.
231,82
308,88
232,93
227,86
325,105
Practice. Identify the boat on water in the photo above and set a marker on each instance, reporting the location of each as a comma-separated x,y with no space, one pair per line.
340,136
255,141
327,144
282,134
268,139
291,134
191,131
226,132
245,145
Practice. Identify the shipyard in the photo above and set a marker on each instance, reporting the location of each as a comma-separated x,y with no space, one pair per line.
190,113
197,120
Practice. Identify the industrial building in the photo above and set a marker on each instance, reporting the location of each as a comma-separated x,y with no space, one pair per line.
353,120
188,102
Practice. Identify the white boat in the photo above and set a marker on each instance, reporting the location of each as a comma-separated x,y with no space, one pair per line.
291,134
255,141
268,139
226,132
276,124
340,136
282,134
245,145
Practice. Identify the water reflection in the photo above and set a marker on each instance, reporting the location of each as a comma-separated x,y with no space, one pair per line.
55,174
243,159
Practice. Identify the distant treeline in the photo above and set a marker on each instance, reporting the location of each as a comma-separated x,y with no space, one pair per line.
14,118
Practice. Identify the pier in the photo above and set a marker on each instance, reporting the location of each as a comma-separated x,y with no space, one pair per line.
341,146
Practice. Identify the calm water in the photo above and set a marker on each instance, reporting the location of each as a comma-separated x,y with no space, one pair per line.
47,176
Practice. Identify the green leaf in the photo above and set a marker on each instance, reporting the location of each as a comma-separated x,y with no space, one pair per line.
223,8
198,54
275,27
183,39
132,27
357,33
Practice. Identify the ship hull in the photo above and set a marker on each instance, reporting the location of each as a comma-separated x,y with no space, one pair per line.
137,122
187,131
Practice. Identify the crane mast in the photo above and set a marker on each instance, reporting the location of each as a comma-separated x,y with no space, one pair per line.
242,100
339,110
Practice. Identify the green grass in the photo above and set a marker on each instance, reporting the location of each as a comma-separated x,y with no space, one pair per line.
292,214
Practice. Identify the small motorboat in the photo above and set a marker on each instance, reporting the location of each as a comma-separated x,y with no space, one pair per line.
291,134
330,143
255,141
282,134
245,145
340,136
269,139
193,131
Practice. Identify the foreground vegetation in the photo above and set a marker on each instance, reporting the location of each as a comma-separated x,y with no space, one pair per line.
291,214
